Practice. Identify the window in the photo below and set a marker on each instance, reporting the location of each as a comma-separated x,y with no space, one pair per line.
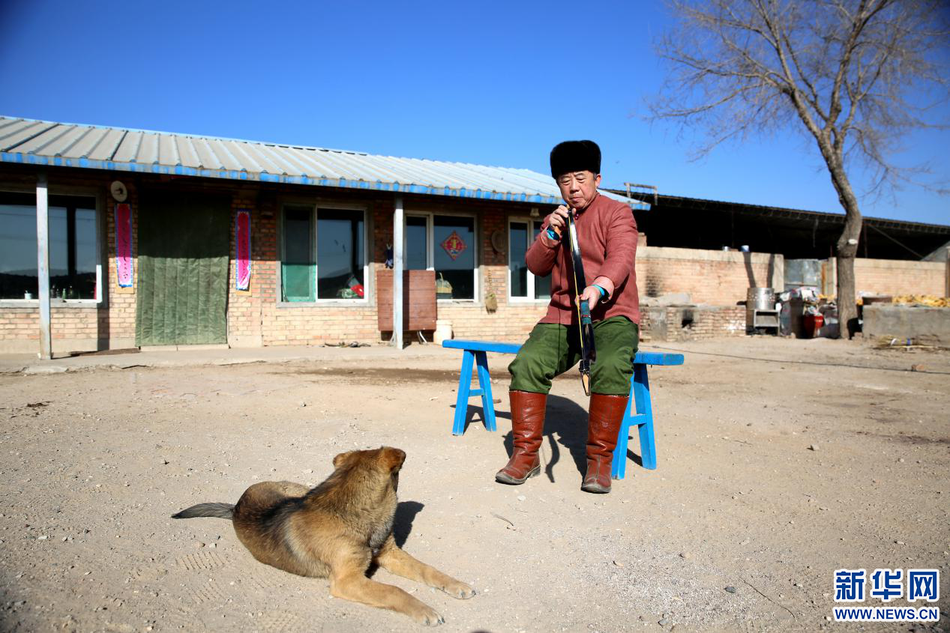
417,242
298,266
445,244
522,284
454,248
340,254
333,270
73,253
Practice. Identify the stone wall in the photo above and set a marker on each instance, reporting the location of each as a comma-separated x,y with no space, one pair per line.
921,324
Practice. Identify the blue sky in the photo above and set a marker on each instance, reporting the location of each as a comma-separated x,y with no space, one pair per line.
495,83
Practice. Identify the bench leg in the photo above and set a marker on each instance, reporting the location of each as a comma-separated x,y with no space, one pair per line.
465,388
641,391
484,384
619,466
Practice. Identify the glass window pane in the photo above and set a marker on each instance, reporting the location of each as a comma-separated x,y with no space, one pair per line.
84,279
72,247
517,247
58,251
297,267
454,256
416,243
339,254
18,276
542,285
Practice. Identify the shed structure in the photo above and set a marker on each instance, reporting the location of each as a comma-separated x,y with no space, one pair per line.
160,239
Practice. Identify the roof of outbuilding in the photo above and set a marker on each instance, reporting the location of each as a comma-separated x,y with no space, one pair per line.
805,216
34,142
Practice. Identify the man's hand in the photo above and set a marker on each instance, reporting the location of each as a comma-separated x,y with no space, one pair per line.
592,296
558,219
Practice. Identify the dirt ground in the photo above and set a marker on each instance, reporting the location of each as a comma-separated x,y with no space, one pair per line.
779,461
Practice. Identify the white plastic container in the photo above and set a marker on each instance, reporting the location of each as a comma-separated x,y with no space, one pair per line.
443,331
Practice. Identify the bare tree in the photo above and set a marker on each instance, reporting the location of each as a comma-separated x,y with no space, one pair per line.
855,75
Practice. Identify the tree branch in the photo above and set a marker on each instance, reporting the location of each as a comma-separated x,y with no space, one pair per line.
847,70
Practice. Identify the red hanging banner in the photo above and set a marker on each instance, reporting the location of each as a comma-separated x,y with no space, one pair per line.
242,250
123,245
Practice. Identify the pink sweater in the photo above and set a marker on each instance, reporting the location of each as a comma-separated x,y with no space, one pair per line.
607,234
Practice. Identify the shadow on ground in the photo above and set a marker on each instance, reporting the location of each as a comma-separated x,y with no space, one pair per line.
406,513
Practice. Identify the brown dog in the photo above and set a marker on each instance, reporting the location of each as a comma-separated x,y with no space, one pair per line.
336,530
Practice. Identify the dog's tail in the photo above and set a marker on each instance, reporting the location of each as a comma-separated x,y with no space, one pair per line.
216,510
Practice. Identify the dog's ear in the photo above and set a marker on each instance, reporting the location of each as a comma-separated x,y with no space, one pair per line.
392,458
342,458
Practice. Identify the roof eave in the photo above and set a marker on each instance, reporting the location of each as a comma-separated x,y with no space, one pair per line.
20,158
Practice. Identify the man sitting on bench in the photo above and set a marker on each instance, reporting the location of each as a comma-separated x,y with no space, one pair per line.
607,236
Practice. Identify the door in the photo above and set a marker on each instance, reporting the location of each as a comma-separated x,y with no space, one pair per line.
182,292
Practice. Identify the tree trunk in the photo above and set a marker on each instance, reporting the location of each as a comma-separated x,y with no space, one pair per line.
847,306
847,248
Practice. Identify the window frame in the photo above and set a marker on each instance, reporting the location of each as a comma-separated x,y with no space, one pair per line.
94,194
431,246
530,298
315,207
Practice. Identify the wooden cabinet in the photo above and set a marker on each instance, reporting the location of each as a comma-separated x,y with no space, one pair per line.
419,307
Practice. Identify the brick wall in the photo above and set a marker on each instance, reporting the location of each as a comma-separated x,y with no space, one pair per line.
314,324
117,314
72,329
511,322
895,277
256,317
687,323
244,306
713,279
75,326
709,277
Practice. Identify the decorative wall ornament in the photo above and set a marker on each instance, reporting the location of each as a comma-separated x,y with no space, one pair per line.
498,241
454,245
118,191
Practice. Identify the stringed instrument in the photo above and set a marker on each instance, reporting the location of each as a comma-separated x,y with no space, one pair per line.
585,325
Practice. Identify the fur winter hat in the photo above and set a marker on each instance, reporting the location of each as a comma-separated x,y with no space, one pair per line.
571,156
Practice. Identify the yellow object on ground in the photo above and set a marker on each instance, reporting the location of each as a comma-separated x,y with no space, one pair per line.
926,300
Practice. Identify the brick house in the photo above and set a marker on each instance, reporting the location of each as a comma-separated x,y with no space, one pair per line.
170,240
159,239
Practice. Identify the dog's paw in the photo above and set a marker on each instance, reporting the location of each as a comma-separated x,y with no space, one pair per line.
458,590
426,615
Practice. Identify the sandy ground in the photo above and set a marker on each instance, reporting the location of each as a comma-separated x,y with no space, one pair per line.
779,462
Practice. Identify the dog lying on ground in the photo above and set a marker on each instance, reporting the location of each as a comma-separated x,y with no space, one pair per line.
336,530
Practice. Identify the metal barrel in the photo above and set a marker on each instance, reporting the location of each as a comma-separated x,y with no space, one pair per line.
758,299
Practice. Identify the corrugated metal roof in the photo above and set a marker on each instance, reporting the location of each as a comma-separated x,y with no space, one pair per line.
85,146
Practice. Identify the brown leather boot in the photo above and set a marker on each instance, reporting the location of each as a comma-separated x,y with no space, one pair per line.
606,414
527,424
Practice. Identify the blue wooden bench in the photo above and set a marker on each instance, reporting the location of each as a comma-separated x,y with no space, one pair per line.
639,411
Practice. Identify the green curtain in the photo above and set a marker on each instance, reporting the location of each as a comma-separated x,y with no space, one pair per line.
183,248
297,266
